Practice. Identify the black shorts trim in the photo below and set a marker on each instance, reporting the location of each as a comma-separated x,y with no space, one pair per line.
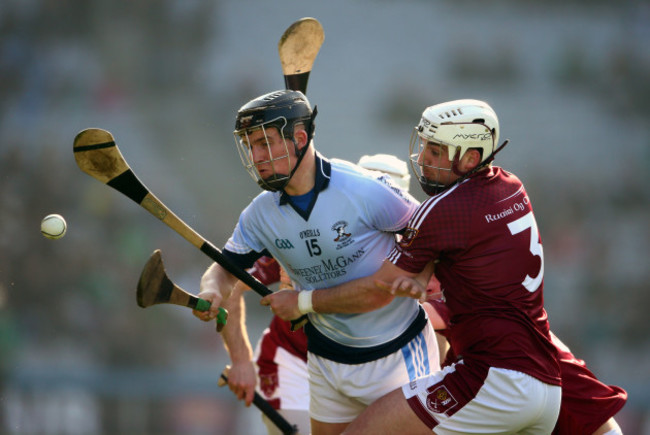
324,347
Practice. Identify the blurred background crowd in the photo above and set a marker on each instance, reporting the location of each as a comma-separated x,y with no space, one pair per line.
568,79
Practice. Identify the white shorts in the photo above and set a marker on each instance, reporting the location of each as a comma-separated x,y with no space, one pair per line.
504,401
340,392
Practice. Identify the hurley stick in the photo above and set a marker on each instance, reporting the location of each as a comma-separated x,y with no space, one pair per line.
266,408
298,48
155,287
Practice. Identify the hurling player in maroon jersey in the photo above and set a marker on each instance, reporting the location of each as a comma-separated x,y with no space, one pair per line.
479,229
588,405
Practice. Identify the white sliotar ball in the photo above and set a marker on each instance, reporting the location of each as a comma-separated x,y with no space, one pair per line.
53,226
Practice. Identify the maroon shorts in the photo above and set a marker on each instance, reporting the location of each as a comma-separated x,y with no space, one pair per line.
587,403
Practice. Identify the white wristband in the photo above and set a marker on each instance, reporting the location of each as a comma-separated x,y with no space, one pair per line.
304,302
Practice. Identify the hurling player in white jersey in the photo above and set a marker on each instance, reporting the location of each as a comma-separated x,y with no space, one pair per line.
326,223
277,367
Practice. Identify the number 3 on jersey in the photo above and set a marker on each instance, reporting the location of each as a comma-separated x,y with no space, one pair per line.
312,247
523,223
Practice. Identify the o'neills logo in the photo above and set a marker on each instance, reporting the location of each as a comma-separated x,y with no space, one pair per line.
439,400
407,237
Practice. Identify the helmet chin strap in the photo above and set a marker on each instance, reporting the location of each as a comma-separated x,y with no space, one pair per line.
484,163
436,188
431,188
301,152
273,183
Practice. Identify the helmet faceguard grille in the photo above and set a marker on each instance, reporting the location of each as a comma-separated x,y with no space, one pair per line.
272,180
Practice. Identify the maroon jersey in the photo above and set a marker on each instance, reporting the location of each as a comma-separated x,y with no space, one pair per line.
587,403
277,335
266,270
490,265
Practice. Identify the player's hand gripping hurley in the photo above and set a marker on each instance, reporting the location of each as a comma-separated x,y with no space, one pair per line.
280,422
155,287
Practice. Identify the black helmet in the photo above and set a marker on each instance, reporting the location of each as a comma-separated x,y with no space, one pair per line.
281,109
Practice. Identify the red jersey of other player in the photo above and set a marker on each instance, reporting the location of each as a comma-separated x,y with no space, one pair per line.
479,230
486,225
277,336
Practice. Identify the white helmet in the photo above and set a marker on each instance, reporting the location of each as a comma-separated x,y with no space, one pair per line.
388,164
459,125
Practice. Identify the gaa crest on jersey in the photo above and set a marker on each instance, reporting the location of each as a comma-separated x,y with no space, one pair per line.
407,237
440,400
268,383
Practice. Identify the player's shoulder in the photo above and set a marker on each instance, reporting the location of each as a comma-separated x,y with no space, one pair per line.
499,172
370,186
261,204
348,168
496,185
444,205
483,189
348,173
264,197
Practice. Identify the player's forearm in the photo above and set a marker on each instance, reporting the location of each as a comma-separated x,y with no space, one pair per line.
235,334
218,280
357,296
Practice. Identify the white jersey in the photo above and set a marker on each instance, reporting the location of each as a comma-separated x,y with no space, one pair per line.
345,234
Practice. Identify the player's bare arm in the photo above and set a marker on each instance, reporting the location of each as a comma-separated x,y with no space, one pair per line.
360,295
409,285
404,286
357,296
216,285
242,377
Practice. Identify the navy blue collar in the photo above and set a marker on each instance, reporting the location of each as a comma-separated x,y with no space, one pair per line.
323,174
